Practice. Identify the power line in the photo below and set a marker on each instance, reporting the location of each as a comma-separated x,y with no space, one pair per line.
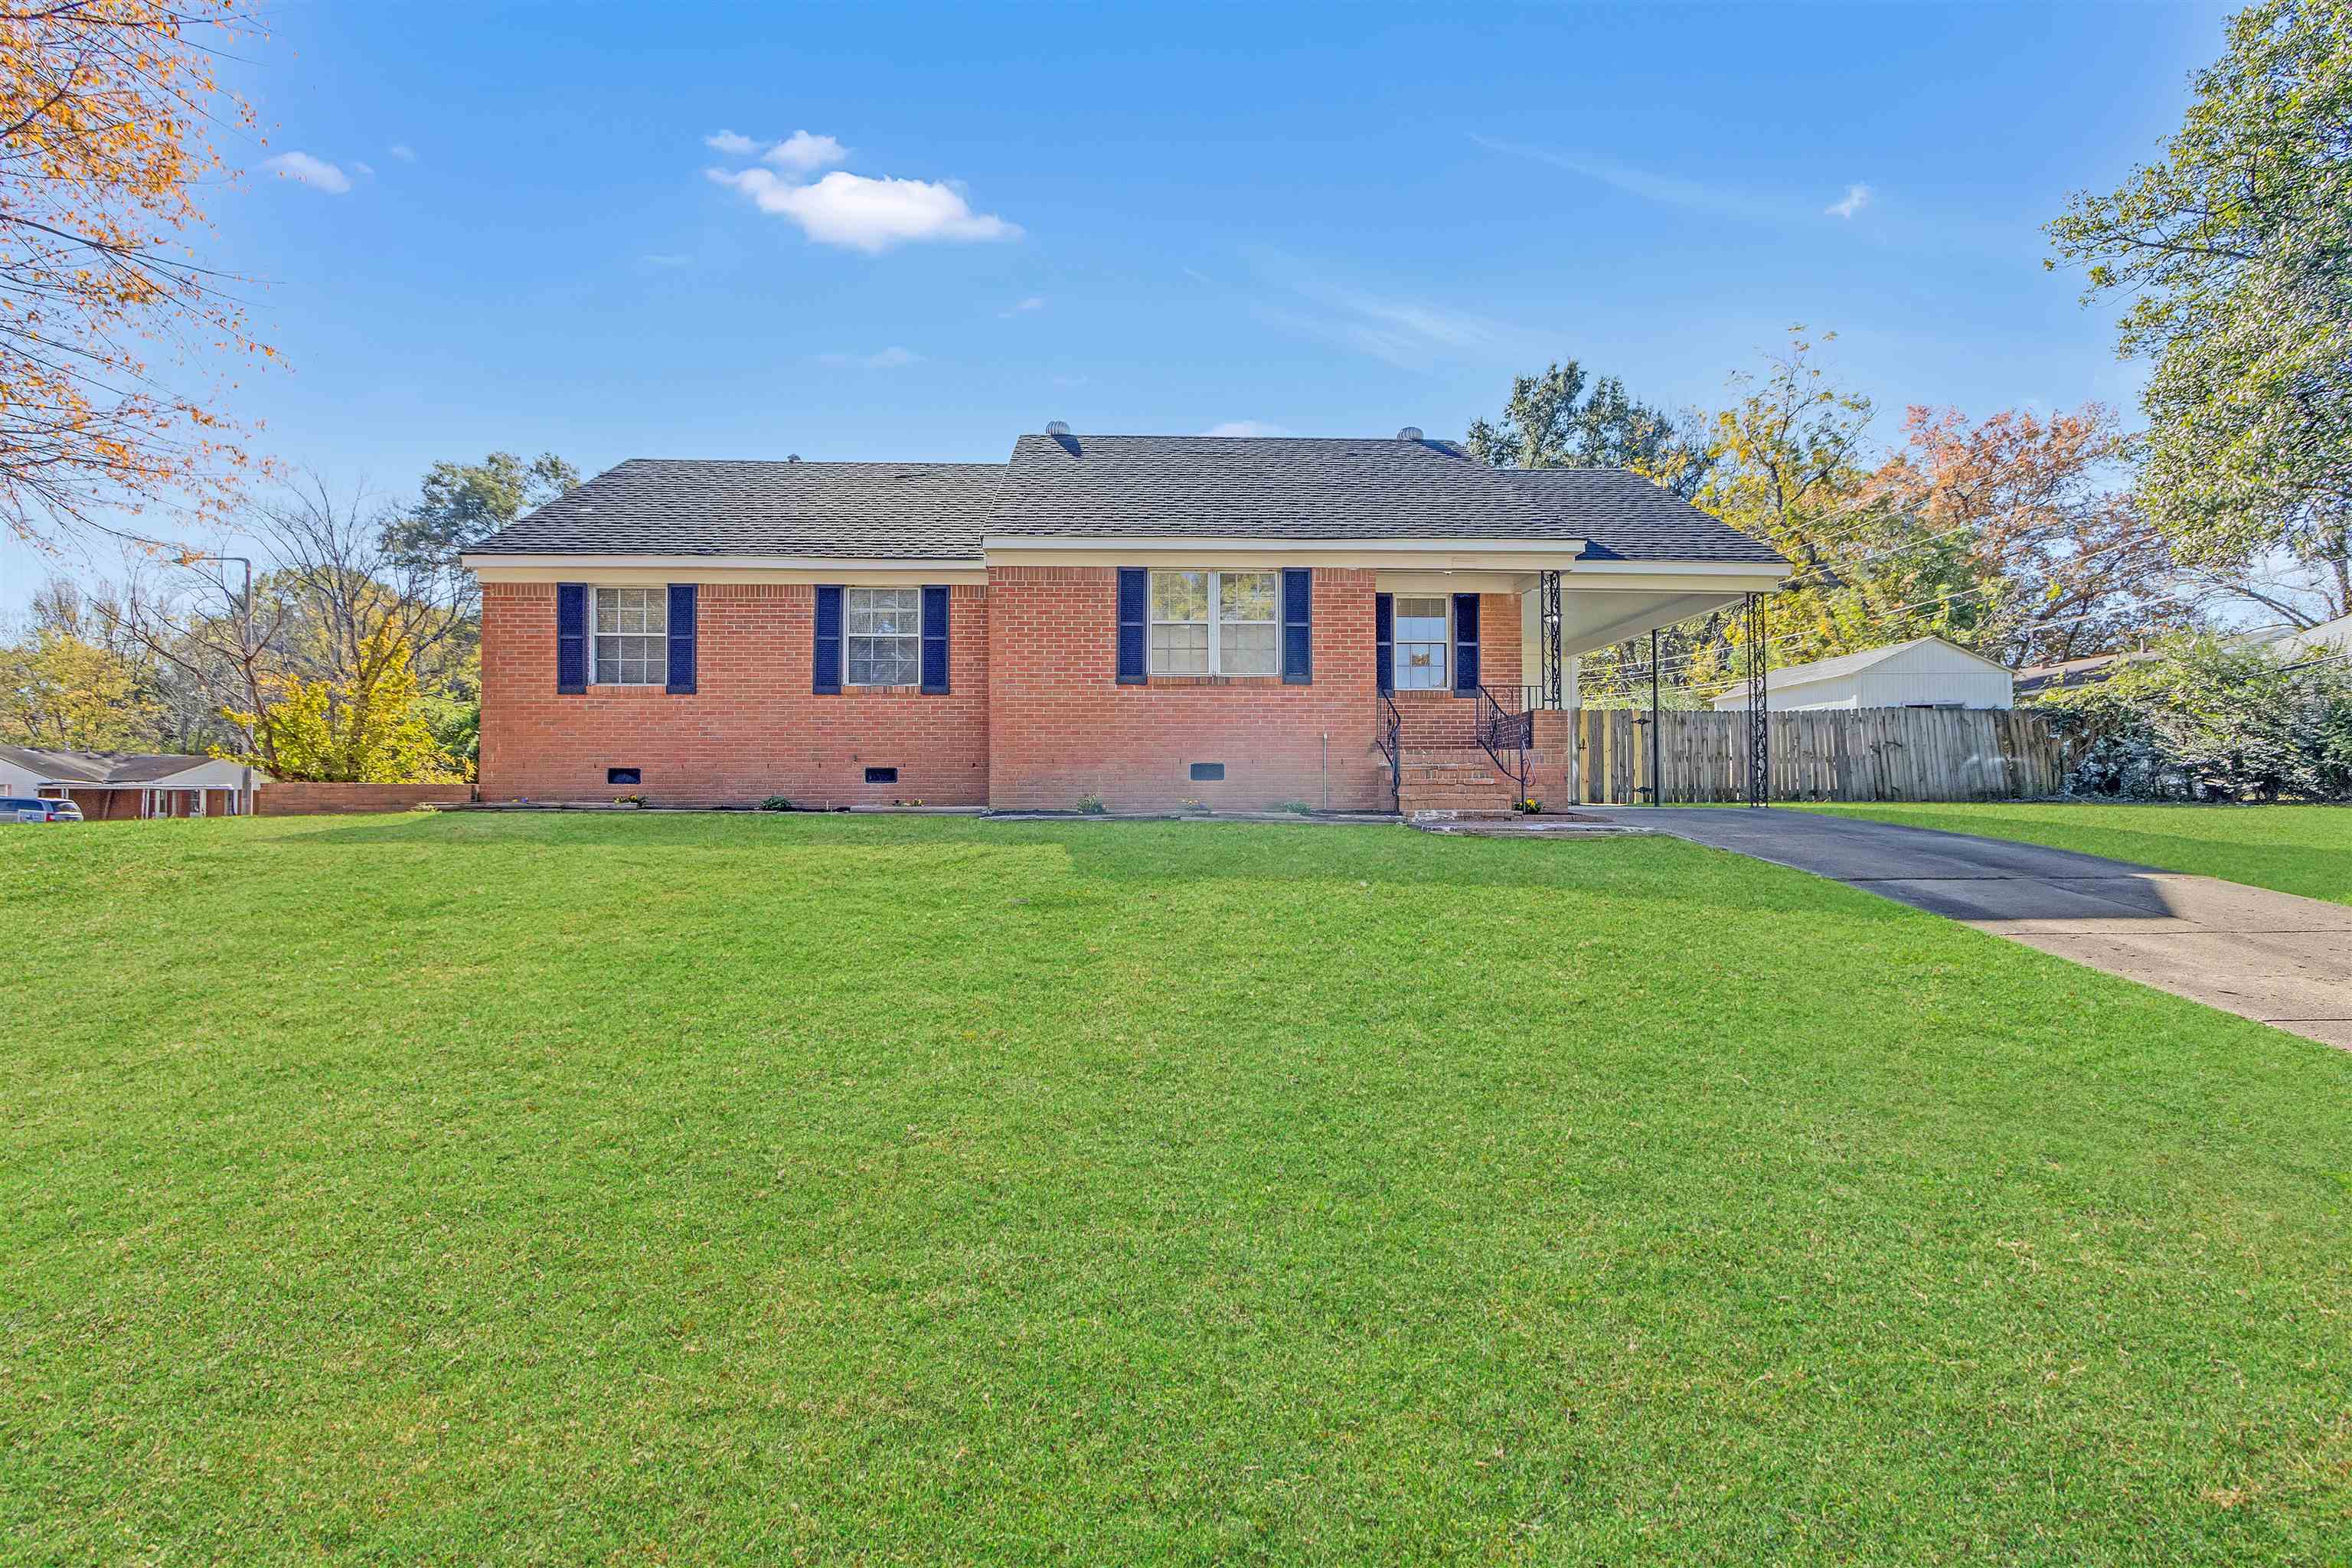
1875,617
1680,663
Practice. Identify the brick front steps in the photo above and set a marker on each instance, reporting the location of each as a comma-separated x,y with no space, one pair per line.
1469,781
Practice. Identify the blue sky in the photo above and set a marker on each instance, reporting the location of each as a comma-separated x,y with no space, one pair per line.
515,232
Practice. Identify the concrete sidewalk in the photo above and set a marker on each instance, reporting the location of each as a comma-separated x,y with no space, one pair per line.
2263,955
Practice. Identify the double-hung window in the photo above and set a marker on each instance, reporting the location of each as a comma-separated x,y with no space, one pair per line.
1420,643
1215,623
631,639
884,640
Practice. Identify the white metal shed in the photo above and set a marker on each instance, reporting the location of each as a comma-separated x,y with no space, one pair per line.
1926,672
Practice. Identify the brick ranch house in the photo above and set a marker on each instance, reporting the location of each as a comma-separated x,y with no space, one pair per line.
1144,619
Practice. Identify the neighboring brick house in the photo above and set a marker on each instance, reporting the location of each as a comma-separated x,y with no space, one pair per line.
128,785
1241,621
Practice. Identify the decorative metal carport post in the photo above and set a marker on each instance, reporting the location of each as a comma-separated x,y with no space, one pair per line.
1555,668
1760,732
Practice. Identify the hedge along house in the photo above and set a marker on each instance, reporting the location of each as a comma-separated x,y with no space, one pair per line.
1244,622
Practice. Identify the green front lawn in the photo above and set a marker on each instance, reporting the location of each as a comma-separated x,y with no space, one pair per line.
2304,850
570,1189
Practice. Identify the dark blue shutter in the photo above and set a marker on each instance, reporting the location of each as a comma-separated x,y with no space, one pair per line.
570,637
681,638
826,669
935,639
1297,626
1134,604
1465,645
1384,640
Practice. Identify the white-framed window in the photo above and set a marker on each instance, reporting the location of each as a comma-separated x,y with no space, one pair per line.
882,636
631,641
1215,623
1422,632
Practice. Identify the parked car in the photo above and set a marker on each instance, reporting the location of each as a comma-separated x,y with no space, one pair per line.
28,809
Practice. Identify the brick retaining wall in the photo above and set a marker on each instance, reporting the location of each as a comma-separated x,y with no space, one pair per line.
285,799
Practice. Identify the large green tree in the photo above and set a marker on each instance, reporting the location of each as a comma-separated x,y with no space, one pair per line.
2234,252
1564,418
460,504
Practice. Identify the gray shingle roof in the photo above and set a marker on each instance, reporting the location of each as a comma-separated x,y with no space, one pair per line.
1624,517
1288,487
1116,486
661,506
100,767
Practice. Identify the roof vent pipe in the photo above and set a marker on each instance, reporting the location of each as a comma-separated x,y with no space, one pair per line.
1410,433
1057,428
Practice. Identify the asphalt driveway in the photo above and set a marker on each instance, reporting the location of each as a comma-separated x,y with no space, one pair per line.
2259,954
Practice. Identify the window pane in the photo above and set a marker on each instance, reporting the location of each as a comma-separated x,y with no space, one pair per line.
1245,649
1245,597
885,661
1421,667
1180,595
883,612
630,660
1180,650
608,615
1419,620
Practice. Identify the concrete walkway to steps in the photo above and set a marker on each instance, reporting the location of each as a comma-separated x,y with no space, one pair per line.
2269,956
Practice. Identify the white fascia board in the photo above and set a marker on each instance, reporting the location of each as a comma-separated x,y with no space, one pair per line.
1213,544
1681,569
598,562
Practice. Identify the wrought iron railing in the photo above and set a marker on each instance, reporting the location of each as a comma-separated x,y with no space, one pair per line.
1511,730
1392,747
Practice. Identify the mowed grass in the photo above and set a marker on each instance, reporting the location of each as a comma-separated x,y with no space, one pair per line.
704,1189
2304,850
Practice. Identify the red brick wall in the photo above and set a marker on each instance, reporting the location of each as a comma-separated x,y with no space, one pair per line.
1439,720
1055,726
292,798
1060,726
105,805
753,728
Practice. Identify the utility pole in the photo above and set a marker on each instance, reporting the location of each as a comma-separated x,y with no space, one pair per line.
245,599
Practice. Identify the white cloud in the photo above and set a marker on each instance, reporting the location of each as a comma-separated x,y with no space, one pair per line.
1245,427
733,142
1669,190
316,173
1407,333
802,151
869,215
1856,198
885,359
364,170
1022,307
405,152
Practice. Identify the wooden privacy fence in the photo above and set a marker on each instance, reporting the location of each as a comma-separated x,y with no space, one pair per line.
1829,753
